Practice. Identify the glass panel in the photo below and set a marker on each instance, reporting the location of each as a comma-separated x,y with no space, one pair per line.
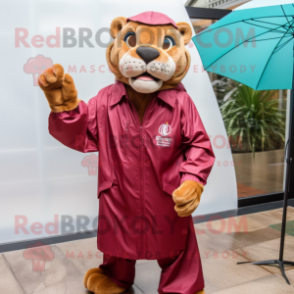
258,152
259,155
216,4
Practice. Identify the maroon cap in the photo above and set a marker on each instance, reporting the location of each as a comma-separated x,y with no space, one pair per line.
152,18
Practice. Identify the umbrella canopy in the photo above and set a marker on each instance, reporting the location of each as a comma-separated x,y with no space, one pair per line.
252,45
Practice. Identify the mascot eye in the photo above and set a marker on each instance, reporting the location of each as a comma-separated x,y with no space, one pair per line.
130,39
168,43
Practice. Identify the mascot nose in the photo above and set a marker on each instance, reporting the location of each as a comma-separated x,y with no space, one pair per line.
147,53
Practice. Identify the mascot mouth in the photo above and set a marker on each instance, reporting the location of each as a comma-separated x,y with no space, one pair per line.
146,77
145,83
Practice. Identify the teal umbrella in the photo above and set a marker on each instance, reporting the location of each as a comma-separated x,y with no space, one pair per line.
253,46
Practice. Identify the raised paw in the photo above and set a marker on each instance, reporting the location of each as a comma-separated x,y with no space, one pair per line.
51,78
59,89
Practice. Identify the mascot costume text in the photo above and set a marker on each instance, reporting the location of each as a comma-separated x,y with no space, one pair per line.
154,153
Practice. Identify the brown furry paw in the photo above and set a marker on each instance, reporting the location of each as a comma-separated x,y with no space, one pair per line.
187,197
96,281
59,89
51,78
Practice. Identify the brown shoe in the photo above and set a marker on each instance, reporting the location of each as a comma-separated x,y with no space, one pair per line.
96,281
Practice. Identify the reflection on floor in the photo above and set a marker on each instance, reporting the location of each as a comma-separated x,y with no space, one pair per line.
222,244
264,172
246,191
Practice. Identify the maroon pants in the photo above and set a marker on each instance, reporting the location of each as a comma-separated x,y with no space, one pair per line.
181,274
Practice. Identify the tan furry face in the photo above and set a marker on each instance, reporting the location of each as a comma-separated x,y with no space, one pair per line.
149,58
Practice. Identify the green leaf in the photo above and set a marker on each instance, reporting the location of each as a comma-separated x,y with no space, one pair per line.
253,119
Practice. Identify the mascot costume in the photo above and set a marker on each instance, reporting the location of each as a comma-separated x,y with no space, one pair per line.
154,153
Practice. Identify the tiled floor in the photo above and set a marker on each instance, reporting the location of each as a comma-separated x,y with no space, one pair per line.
222,244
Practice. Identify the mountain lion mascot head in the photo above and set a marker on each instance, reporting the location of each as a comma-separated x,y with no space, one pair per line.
148,52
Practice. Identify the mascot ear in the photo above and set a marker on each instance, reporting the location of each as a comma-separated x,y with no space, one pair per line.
185,30
116,25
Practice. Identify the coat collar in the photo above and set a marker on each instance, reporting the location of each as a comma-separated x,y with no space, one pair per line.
168,96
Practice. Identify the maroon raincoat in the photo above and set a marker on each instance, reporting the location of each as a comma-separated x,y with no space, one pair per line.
140,165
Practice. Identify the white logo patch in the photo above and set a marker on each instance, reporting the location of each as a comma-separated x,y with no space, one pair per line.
164,130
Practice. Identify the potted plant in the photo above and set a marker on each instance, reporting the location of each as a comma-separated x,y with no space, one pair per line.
253,120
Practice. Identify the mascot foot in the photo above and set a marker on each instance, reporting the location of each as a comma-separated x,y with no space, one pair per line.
201,292
96,281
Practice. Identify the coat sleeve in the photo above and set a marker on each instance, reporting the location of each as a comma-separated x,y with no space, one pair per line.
199,156
76,129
